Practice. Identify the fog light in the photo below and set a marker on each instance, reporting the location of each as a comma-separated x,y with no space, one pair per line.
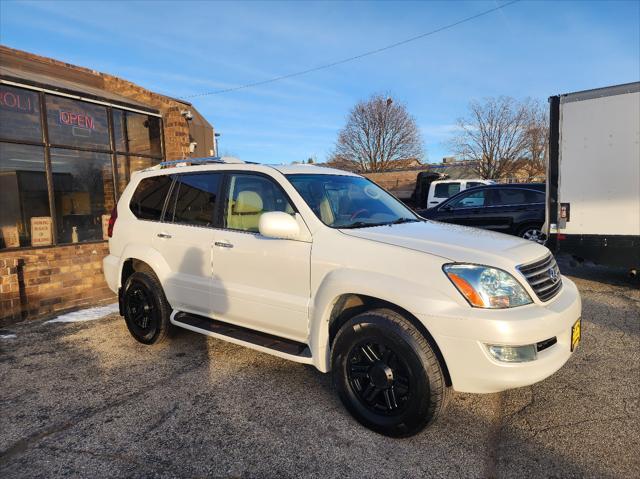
513,354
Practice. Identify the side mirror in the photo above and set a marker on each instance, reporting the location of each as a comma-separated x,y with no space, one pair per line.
278,224
446,208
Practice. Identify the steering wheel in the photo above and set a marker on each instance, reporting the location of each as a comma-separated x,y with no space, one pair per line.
358,213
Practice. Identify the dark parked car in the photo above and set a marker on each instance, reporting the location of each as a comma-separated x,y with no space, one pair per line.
516,209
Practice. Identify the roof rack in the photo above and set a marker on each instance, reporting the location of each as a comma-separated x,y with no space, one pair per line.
195,161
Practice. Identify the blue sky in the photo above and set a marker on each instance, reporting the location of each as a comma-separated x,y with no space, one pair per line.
530,49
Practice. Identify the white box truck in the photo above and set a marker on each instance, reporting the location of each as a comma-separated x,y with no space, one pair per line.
593,175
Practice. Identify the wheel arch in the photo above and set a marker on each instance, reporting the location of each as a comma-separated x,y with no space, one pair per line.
349,305
138,258
333,308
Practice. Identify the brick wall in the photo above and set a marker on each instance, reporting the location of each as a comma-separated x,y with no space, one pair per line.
176,127
44,282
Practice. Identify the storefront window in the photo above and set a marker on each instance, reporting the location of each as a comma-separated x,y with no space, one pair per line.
79,152
77,123
119,131
23,196
143,134
83,191
129,164
19,114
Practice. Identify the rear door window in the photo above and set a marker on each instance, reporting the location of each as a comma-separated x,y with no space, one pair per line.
471,184
445,190
149,198
194,200
473,199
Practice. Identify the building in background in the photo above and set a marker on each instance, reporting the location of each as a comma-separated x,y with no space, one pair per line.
70,137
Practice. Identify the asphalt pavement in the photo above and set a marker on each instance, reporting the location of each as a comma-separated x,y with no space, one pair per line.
85,400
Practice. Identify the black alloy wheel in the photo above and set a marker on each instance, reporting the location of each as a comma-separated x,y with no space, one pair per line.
379,378
140,309
387,374
146,310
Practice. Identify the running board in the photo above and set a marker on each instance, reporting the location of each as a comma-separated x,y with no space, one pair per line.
241,335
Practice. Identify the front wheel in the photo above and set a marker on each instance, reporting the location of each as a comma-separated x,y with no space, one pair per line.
387,374
146,310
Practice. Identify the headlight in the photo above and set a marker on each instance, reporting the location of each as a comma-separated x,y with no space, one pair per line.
485,287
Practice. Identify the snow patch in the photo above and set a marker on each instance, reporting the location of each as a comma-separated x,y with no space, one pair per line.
88,314
8,336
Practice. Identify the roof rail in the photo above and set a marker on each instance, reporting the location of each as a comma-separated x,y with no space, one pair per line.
194,161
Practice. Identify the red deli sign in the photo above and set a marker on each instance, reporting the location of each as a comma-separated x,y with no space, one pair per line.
10,100
76,119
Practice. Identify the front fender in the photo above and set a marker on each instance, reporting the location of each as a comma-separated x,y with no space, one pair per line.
409,295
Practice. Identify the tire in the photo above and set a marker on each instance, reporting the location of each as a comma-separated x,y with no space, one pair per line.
387,375
532,232
146,310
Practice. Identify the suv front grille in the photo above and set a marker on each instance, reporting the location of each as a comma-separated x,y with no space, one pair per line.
543,276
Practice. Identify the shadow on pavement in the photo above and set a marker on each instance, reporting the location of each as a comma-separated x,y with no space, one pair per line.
87,400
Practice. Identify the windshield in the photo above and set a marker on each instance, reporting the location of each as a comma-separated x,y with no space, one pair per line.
350,201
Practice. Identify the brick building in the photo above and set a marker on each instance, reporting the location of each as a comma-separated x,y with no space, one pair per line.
70,137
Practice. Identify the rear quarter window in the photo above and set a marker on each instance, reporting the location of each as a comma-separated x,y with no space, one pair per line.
517,196
149,198
445,190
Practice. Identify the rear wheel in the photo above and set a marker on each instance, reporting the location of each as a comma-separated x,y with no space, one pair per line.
146,310
533,233
387,374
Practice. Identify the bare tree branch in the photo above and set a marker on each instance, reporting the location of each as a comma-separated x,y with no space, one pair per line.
378,133
533,165
494,136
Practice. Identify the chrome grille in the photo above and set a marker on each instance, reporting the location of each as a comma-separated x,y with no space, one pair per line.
543,276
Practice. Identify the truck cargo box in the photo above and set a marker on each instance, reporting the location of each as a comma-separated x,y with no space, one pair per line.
593,205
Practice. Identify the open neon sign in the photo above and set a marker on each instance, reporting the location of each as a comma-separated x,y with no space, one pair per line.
76,119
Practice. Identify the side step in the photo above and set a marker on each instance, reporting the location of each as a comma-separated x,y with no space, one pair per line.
214,327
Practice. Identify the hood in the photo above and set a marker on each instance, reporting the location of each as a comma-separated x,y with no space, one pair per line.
454,242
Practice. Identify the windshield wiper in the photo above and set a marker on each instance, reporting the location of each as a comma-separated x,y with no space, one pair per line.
364,224
403,220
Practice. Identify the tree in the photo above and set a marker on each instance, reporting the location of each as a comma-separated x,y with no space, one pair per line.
378,133
534,163
493,136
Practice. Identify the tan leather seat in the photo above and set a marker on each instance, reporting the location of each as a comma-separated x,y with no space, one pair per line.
326,213
245,212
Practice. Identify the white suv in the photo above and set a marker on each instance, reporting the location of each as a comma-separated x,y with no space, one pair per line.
323,267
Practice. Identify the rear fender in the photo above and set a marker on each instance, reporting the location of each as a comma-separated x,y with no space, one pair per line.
148,255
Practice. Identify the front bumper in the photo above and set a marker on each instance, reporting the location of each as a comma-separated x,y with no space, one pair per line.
462,339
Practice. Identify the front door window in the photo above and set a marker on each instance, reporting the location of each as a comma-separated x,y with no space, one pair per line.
249,197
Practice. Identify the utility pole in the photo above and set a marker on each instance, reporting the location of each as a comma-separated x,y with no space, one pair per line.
215,140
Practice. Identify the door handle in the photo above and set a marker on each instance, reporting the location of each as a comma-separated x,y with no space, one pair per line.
223,244
164,235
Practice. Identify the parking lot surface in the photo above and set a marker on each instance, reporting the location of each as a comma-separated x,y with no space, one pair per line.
85,400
